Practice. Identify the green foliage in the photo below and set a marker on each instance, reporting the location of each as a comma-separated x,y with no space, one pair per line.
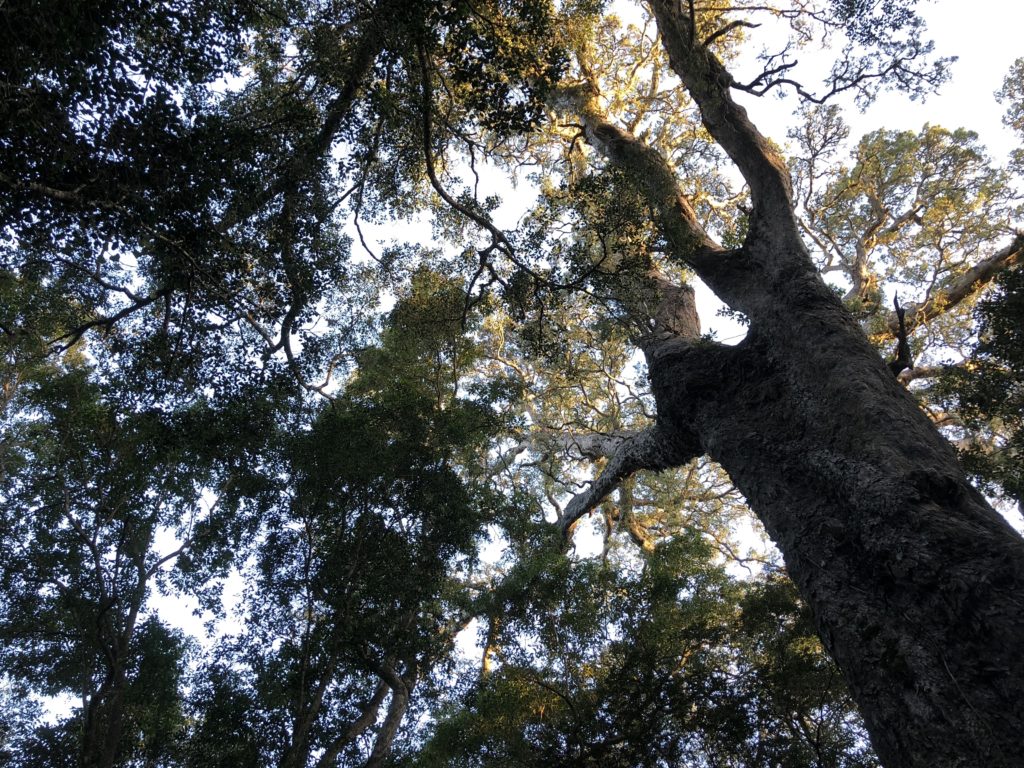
907,193
1012,93
674,663
156,721
225,733
988,389
352,565
911,214
507,45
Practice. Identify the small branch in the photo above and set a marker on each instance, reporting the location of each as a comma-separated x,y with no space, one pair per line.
64,195
726,30
69,339
763,82
499,240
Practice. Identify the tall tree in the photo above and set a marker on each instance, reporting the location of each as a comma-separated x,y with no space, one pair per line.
353,599
913,578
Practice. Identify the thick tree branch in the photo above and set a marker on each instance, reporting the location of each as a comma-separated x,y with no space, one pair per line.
588,445
708,82
664,311
962,286
401,689
689,241
655,448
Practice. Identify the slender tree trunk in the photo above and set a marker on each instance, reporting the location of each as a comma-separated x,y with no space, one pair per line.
103,723
356,728
401,690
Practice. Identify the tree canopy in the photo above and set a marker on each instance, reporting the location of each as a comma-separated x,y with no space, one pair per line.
368,330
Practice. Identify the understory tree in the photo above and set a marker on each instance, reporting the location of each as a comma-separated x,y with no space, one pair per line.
273,326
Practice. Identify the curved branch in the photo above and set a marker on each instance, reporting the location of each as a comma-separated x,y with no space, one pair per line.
962,286
655,448
401,690
366,718
726,30
708,82
67,340
688,241
499,240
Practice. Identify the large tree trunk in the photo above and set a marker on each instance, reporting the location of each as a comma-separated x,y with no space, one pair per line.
916,583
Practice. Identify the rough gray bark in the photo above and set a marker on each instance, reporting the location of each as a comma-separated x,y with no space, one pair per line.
916,583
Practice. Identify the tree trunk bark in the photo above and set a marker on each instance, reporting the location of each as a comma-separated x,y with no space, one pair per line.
916,583
401,686
103,723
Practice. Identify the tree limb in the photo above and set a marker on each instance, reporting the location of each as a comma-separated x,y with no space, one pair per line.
300,164
401,689
588,445
654,448
726,30
708,82
366,718
961,287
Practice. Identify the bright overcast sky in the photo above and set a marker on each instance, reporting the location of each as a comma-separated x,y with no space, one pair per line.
986,39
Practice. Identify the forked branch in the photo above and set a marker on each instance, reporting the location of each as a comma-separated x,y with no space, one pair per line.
708,82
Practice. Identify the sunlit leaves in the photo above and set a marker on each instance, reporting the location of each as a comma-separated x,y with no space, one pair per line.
1012,94
912,212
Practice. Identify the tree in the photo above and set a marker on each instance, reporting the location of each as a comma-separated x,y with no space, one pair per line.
913,578
672,662
200,227
354,598
986,391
